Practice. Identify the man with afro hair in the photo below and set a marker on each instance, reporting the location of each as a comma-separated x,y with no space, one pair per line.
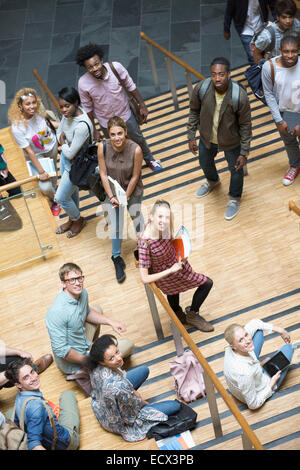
102,97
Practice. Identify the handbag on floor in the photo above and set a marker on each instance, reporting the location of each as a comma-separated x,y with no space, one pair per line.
9,218
188,377
184,420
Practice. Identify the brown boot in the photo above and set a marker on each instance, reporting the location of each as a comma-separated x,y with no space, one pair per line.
42,363
197,321
181,316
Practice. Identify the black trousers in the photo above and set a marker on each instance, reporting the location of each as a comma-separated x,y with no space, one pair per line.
198,298
10,179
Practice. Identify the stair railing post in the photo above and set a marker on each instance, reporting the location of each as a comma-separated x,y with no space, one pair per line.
213,407
154,312
189,83
246,443
177,339
172,82
153,67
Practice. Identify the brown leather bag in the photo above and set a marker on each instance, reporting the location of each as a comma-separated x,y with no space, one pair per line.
133,102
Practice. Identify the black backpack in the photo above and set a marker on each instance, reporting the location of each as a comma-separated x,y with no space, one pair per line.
83,171
184,420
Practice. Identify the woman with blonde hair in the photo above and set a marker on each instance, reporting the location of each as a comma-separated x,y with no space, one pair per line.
121,160
158,263
35,135
245,377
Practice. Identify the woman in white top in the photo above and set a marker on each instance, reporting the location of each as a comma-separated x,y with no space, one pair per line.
245,377
33,133
72,134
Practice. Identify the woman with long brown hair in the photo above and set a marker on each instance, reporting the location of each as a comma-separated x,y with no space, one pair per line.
122,161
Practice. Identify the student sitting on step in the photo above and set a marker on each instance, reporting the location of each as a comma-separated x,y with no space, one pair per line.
245,377
116,403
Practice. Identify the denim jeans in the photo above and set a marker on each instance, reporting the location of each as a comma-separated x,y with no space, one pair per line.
137,377
67,194
116,216
207,163
292,147
286,349
246,40
136,135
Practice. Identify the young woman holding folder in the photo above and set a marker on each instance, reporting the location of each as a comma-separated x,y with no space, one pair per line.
121,160
158,263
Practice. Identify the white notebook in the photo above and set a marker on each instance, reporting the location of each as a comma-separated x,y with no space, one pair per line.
118,191
46,163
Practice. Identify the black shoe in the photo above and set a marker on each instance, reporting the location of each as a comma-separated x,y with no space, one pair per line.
119,267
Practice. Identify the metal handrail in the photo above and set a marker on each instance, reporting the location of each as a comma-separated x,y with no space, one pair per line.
168,58
250,435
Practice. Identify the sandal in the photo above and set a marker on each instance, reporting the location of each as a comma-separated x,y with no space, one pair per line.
72,233
64,227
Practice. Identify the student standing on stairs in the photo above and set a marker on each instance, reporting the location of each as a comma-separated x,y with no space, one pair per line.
282,95
122,161
222,114
103,97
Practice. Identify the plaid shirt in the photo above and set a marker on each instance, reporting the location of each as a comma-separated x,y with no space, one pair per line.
158,255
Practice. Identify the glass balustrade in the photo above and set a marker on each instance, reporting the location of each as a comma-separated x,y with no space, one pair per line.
27,231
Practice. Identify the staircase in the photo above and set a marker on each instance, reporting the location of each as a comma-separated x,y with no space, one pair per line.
276,423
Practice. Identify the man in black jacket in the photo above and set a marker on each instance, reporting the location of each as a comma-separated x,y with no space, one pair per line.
248,17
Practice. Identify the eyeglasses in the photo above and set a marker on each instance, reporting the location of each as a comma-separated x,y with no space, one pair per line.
73,280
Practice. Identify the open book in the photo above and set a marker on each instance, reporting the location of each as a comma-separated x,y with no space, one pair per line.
181,441
182,243
46,163
118,191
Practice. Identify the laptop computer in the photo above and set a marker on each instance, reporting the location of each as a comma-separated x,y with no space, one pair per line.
277,362
291,118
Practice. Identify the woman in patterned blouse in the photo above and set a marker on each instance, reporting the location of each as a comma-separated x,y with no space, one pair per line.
117,404
158,263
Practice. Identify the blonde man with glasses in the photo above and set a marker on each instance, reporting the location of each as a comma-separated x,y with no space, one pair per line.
73,325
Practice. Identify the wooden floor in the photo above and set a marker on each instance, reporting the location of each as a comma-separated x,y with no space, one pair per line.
253,260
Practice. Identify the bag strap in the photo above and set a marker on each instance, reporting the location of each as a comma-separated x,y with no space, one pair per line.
235,93
90,135
203,88
122,82
272,71
50,416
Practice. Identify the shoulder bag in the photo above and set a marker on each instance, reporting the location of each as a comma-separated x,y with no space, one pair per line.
184,420
13,437
133,102
84,166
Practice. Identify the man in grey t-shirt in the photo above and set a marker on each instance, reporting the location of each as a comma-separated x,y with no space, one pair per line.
286,25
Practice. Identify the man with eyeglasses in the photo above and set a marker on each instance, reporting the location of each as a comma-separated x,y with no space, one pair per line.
73,326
